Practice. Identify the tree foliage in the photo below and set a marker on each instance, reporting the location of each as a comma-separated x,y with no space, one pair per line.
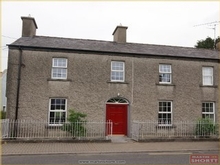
76,124
208,43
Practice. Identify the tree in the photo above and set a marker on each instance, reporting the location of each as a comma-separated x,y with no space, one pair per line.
76,124
208,43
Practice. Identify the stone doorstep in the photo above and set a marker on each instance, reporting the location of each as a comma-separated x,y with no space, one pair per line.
120,139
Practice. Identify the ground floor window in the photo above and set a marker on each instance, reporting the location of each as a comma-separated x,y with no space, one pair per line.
165,113
57,111
208,110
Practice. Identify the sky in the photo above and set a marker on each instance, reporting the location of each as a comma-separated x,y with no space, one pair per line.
161,23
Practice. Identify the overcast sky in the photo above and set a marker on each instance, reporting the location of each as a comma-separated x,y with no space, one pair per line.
162,23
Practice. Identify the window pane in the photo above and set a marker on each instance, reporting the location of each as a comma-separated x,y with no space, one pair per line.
59,62
59,69
117,75
164,115
58,107
207,75
208,110
165,77
63,117
207,71
207,80
117,66
57,101
165,68
52,101
58,111
59,73
117,71
52,107
165,73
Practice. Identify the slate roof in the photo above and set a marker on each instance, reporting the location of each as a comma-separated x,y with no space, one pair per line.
113,47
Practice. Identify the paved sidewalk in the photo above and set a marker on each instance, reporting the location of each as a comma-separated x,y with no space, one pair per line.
131,146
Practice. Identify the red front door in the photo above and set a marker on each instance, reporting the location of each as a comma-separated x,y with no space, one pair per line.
117,113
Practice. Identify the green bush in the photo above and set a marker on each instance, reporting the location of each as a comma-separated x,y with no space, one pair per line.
76,124
206,127
3,115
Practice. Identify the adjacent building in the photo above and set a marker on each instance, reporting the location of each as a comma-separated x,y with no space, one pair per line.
3,99
109,80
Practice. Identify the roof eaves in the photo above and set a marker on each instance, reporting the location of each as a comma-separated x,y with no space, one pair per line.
108,52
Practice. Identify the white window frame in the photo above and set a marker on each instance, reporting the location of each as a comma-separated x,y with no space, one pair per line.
165,72
57,110
204,75
61,68
209,113
119,71
162,112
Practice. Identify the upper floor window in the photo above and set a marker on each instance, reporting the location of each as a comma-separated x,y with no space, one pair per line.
165,113
117,71
208,110
165,73
59,68
207,75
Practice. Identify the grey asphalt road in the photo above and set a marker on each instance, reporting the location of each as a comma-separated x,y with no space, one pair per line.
111,158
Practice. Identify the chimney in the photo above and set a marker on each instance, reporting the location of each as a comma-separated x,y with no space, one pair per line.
120,34
29,27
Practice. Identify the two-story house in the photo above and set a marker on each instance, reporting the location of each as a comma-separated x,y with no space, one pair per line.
109,80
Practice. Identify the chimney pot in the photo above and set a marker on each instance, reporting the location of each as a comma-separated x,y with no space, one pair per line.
29,27
120,34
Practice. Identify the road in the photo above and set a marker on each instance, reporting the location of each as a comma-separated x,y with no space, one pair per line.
110,158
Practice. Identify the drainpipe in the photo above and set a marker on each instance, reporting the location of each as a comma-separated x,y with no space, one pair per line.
18,91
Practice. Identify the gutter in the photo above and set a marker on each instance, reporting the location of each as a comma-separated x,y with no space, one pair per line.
18,92
112,53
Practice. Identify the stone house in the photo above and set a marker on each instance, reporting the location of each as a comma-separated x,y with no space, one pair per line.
109,80
3,99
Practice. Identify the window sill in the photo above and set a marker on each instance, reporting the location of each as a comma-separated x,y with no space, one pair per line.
49,79
164,84
209,86
165,126
117,82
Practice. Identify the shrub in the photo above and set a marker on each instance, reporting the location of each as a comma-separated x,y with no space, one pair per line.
76,124
206,127
3,115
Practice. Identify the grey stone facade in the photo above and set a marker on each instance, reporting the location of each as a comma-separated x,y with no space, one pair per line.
88,85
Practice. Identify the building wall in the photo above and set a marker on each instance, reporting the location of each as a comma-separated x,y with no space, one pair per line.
3,92
88,86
